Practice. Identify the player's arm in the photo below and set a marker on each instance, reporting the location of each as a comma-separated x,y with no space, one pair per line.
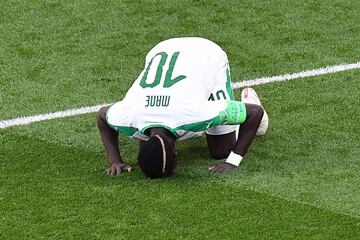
247,133
110,139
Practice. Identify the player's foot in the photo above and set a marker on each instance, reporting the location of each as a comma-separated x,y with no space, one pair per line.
248,95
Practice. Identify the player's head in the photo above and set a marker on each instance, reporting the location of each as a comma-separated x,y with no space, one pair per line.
156,158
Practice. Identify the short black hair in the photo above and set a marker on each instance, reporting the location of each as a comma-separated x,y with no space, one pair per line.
156,158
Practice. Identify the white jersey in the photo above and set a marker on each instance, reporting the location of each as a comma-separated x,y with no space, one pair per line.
183,87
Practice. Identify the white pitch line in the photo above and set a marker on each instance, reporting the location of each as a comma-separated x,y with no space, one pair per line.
286,77
48,116
257,81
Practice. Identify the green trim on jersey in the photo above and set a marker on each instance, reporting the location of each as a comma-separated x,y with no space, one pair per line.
192,127
127,131
200,126
228,84
160,126
234,114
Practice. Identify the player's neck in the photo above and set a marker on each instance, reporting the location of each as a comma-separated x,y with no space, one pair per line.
164,133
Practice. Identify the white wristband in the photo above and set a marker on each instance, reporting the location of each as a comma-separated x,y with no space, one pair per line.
234,159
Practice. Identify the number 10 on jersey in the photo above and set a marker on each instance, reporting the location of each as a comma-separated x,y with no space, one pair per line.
169,80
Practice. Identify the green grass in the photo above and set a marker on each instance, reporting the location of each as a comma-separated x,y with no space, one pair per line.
300,181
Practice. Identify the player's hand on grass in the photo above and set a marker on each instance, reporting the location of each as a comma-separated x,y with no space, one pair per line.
221,167
117,168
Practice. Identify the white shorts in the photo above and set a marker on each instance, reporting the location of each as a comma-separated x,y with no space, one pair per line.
221,130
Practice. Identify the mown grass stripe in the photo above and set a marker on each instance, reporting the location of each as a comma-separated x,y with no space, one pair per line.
236,85
57,190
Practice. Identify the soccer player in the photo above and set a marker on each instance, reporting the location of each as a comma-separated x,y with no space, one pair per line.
183,91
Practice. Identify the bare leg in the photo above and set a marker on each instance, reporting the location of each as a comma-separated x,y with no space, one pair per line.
247,131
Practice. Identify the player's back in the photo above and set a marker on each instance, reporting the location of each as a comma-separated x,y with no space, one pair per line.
183,67
174,87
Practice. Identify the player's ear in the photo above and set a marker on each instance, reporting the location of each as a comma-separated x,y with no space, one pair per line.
171,160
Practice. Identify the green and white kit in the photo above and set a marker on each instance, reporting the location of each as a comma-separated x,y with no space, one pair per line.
185,88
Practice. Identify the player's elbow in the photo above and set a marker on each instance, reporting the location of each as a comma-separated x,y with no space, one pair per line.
101,116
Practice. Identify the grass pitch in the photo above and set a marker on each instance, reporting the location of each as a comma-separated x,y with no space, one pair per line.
300,181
